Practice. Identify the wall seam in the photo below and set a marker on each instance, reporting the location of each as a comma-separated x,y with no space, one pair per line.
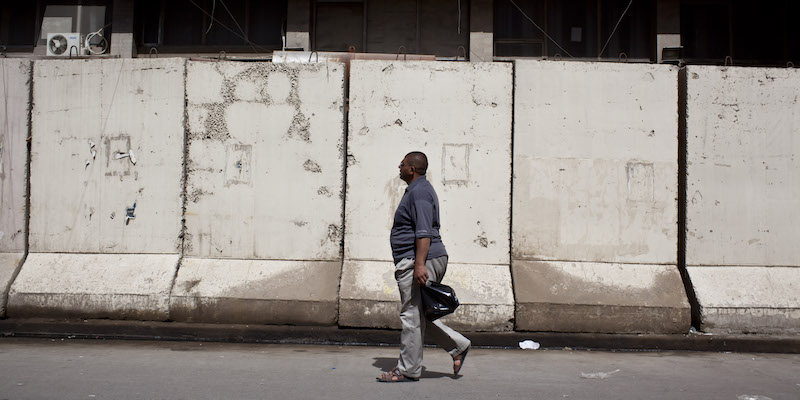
344,154
696,309
185,179
511,195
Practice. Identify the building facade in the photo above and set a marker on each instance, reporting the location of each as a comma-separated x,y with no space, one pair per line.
699,32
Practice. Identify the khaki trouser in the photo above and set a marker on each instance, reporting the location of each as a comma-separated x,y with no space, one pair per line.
412,318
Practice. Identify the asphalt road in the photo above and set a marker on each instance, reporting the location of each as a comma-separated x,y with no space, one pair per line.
84,369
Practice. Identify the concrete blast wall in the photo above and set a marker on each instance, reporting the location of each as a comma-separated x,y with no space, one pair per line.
264,193
106,170
15,86
459,114
252,157
743,197
594,229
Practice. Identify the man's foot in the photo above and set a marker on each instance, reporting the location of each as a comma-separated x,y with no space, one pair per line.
395,376
458,361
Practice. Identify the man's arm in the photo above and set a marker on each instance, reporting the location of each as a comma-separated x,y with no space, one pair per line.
420,270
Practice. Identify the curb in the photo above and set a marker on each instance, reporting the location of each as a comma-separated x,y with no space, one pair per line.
331,335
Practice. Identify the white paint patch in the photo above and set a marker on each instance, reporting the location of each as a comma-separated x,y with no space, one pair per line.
279,87
593,180
247,91
742,135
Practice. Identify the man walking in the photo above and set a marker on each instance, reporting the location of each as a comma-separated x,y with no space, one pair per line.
419,256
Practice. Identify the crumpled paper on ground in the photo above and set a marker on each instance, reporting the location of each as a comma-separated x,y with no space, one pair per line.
598,375
528,345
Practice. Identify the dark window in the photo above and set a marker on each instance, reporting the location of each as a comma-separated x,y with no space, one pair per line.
515,35
635,33
183,24
751,33
581,28
443,27
338,25
210,25
18,25
705,31
762,34
391,24
436,27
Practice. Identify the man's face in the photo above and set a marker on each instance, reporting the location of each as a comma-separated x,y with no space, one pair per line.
406,171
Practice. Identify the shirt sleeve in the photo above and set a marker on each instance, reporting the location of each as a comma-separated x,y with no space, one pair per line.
422,212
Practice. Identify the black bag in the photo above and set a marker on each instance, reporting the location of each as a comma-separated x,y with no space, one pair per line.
438,300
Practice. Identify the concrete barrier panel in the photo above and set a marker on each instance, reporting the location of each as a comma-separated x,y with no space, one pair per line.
115,286
595,181
256,292
595,162
264,194
743,186
743,196
459,114
736,299
8,265
369,296
265,160
15,84
14,123
599,297
89,116
106,184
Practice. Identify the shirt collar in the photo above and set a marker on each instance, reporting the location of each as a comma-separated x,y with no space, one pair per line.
416,182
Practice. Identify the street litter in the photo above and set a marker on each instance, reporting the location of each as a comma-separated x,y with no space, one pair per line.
753,397
129,213
128,155
528,345
598,375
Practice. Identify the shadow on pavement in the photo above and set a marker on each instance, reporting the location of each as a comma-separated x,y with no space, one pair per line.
386,364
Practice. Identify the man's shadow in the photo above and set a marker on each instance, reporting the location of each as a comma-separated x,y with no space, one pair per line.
386,364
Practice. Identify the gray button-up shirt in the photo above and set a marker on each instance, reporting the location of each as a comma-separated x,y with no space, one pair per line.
417,216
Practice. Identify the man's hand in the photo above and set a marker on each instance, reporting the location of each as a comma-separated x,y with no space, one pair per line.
420,270
420,274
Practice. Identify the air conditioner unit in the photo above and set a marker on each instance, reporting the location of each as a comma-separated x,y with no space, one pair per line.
64,44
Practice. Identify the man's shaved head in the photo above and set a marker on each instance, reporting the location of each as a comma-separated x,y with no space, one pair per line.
418,160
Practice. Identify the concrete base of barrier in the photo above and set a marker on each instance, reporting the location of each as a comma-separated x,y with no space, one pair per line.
115,286
8,264
256,292
599,297
748,299
370,299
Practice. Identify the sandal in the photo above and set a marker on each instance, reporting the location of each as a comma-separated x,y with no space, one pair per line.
463,358
395,376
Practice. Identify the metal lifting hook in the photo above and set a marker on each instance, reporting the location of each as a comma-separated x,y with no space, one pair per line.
398,53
